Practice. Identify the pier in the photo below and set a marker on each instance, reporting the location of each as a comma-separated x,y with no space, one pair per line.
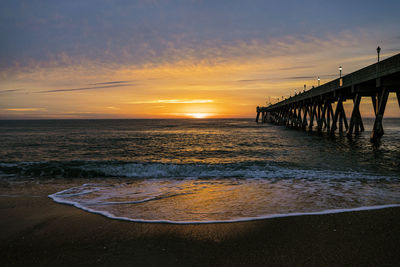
322,106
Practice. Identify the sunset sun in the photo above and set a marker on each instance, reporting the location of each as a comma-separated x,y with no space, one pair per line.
198,115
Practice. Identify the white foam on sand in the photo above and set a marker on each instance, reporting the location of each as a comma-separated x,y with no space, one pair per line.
56,197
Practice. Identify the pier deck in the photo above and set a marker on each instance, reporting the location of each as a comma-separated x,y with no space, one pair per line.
317,105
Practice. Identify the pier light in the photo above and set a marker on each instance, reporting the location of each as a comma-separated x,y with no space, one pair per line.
340,71
378,50
319,80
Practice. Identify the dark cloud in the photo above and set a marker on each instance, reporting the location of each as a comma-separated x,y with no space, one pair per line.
110,83
297,67
10,91
396,50
299,77
329,76
86,88
290,78
311,77
255,80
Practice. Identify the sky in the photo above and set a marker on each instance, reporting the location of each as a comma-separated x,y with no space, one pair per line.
181,59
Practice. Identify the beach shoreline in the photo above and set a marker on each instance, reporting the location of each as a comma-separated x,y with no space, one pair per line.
37,231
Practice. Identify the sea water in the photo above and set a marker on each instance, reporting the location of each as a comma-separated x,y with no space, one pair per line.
202,170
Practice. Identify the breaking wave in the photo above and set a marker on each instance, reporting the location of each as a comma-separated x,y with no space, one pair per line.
107,169
226,199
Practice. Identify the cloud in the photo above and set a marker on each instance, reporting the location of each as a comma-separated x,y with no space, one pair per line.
290,78
211,52
310,77
24,109
255,80
10,91
297,67
393,50
111,83
86,88
173,101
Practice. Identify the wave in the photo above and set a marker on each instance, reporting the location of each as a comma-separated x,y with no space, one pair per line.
183,201
243,219
110,169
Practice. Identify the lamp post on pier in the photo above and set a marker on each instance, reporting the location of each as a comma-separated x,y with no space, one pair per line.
319,80
378,50
340,71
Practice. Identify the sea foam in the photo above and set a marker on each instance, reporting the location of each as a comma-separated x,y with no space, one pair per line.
226,200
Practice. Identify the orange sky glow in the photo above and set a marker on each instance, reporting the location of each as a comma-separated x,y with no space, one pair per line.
227,89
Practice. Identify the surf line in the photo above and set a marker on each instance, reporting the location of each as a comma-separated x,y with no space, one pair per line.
57,199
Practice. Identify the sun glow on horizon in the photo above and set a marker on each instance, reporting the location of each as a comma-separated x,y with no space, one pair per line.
198,115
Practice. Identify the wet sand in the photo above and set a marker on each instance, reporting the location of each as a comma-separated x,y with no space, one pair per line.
35,231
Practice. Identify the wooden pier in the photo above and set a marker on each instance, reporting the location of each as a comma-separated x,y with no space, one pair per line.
315,107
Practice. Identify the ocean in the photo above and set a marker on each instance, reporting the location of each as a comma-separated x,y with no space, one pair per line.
200,170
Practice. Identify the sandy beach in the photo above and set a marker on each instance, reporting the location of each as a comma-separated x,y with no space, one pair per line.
35,231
